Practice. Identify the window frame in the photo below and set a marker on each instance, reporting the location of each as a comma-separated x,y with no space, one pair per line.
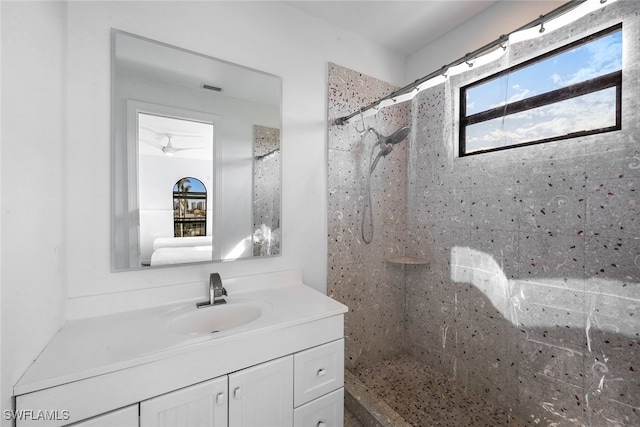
188,195
586,87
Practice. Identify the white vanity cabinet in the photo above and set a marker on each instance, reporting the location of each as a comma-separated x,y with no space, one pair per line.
200,405
318,386
283,369
262,395
325,411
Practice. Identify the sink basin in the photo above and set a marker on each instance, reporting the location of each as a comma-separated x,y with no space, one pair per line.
218,318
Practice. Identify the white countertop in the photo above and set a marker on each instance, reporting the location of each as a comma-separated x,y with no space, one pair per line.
88,347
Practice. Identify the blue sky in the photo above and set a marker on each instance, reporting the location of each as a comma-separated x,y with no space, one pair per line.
599,57
195,185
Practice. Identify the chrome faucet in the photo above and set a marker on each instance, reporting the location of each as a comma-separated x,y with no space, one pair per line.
216,292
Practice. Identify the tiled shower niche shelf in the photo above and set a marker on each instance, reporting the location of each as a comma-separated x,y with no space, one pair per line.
407,260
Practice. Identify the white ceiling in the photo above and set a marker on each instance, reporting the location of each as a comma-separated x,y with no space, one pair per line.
403,26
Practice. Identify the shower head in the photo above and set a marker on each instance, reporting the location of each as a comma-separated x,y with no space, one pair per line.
395,138
386,143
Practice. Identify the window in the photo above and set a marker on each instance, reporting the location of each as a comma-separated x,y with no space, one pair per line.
189,208
572,91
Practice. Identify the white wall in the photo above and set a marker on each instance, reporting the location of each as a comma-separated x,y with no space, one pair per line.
2,374
234,222
264,35
501,18
32,178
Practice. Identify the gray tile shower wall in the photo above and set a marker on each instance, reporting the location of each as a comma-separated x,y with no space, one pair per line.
266,191
532,296
358,275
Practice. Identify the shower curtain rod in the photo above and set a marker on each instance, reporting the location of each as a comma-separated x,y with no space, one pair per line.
500,41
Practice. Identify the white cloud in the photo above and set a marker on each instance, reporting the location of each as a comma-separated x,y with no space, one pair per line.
587,112
604,56
522,94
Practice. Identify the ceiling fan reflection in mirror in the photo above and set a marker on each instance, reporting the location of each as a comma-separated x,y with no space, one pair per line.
169,148
171,135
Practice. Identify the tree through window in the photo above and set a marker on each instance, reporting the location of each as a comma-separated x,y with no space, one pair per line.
189,208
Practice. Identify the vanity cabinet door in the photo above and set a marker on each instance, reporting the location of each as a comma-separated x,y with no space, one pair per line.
262,396
200,405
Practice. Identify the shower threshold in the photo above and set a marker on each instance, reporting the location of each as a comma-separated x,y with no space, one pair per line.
369,409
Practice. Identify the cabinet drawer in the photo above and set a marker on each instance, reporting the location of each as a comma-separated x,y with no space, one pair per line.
318,371
325,411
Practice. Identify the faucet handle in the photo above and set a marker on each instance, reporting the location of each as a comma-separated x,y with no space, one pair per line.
215,280
216,290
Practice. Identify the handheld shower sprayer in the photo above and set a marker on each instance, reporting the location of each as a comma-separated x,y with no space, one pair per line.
384,150
386,144
395,138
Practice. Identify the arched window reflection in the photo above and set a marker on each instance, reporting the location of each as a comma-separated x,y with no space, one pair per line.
189,208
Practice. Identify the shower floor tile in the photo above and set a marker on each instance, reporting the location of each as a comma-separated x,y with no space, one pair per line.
425,397
350,420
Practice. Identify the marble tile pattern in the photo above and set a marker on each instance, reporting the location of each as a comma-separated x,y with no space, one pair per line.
531,300
358,276
367,406
441,401
351,420
266,191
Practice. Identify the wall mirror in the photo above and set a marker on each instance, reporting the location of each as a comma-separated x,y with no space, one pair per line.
196,173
